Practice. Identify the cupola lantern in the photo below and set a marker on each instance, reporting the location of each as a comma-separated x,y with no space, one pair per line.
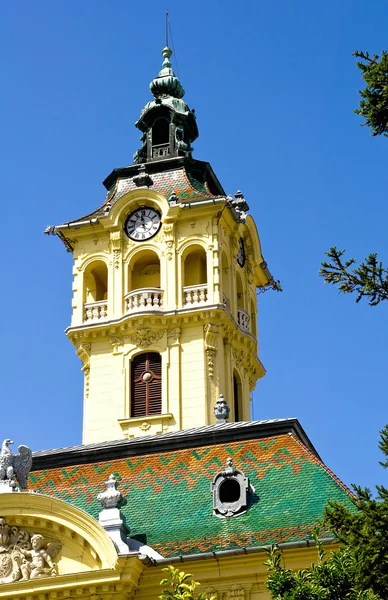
167,123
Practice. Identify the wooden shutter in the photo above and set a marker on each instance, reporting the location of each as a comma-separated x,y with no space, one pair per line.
146,392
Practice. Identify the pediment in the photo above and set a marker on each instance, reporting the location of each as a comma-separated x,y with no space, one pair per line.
44,538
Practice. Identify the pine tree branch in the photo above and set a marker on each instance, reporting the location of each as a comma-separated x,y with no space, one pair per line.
368,280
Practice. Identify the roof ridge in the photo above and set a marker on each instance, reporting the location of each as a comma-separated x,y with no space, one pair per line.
319,461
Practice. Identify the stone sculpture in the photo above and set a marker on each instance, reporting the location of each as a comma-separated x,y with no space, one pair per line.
12,465
24,555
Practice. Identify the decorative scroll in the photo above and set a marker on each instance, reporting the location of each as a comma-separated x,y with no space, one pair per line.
25,556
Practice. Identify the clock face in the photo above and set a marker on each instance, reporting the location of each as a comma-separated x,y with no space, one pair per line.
241,252
142,224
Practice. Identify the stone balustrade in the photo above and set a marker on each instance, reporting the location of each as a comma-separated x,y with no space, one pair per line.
194,295
95,311
243,319
144,299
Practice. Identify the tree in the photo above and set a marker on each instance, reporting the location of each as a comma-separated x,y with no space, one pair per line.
359,570
369,279
181,586
374,98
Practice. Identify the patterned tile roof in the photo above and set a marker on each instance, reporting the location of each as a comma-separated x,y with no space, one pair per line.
169,501
191,181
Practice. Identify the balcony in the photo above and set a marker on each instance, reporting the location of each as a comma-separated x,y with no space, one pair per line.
194,295
144,299
243,319
95,311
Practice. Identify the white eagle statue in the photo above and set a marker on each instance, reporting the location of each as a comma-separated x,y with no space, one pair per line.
12,465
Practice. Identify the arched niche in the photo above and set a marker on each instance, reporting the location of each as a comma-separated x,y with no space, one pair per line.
253,320
225,281
95,284
194,266
84,545
144,271
237,397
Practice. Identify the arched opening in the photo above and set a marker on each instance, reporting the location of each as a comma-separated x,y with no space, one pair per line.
160,132
237,397
146,385
253,318
195,276
144,282
242,316
95,291
230,491
240,292
225,280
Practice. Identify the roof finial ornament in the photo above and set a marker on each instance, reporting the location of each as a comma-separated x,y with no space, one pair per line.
221,410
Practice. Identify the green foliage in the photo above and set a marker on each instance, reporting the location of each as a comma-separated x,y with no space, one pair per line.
374,98
369,279
359,570
180,586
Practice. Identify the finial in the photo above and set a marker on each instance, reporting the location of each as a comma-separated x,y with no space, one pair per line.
221,410
112,497
166,83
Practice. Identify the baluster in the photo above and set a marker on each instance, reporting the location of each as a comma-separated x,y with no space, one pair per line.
136,301
148,296
157,299
95,313
202,295
195,296
89,314
103,311
142,300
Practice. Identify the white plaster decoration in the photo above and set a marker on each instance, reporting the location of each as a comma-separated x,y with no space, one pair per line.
144,299
96,311
24,555
145,337
243,319
194,295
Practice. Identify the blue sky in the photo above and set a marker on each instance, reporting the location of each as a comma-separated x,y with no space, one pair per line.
274,86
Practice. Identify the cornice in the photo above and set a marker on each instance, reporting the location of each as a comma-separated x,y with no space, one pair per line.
189,438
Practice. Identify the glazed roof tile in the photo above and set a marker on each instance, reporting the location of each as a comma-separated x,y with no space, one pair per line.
169,504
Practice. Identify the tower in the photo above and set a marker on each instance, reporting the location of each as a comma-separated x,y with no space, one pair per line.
164,296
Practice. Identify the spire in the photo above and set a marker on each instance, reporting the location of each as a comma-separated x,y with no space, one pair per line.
166,83
167,124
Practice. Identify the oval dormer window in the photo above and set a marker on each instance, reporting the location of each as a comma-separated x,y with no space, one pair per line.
230,489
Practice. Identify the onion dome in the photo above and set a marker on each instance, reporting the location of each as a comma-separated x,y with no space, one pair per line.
166,83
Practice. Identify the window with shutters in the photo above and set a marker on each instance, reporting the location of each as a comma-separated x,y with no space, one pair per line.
146,385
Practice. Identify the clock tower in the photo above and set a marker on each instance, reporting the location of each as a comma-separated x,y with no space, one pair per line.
164,296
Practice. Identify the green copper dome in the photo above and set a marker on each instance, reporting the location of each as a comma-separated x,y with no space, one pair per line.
166,83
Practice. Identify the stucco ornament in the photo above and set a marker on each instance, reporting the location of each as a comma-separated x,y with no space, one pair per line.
14,465
221,410
24,555
111,497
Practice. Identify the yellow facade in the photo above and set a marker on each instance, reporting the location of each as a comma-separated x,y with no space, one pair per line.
89,567
181,294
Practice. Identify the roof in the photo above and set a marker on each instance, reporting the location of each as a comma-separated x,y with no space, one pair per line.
189,179
166,482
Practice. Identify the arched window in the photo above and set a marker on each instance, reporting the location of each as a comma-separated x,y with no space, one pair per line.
96,282
160,132
237,397
253,319
195,276
225,279
95,291
146,385
195,267
144,282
